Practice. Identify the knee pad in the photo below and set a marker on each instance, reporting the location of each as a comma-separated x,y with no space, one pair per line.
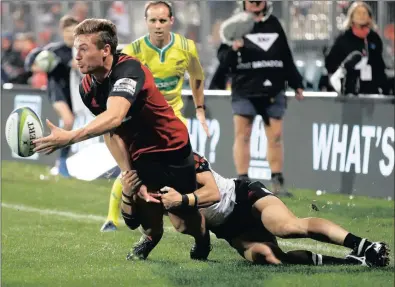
132,221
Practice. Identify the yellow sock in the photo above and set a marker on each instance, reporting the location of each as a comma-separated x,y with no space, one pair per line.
115,202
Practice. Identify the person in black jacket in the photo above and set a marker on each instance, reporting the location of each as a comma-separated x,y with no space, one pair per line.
260,65
355,62
12,70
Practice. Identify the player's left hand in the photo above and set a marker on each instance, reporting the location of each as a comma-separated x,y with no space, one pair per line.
130,181
201,116
57,139
299,94
131,184
170,197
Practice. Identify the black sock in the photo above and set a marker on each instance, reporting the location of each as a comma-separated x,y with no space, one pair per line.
243,176
329,260
351,241
305,257
279,177
155,238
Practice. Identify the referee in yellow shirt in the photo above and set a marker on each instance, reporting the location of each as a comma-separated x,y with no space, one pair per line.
168,55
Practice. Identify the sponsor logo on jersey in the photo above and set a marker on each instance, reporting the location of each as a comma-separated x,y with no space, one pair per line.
263,40
125,85
260,64
167,84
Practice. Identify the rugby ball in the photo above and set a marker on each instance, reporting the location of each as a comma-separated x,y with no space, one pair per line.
46,61
22,127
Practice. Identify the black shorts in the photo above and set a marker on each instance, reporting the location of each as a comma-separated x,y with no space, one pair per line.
267,107
242,221
175,169
59,92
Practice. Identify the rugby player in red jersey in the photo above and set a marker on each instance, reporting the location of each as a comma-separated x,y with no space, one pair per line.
139,128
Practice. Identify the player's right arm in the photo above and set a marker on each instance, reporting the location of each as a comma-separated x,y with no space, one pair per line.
130,79
206,195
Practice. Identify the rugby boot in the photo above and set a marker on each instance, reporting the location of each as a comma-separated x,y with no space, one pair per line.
108,226
143,248
355,260
375,254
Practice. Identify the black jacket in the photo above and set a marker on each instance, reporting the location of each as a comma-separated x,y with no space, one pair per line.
346,43
12,67
264,64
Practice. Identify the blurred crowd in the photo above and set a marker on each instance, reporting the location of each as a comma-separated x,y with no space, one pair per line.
310,26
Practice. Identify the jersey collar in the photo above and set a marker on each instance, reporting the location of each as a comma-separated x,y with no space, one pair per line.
162,51
114,63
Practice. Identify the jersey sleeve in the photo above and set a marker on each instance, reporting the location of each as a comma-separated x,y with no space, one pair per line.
29,60
201,163
129,78
195,69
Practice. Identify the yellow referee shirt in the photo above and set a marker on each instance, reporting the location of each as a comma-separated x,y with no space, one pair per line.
168,65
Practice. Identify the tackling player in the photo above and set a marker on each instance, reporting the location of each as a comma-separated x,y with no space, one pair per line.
249,217
139,127
168,56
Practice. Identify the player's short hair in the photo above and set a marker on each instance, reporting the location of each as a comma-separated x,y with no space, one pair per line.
154,3
67,21
106,30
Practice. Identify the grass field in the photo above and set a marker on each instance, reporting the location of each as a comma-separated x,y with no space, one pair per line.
50,237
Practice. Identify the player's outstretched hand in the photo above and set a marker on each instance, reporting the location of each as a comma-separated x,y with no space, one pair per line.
58,138
201,116
131,184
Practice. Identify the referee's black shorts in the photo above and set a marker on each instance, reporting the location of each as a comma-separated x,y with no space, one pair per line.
174,169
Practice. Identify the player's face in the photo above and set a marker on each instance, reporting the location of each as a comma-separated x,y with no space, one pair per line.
361,16
254,6
159,23
89,58
68,36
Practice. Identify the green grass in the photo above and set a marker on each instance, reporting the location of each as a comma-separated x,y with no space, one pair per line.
40,249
